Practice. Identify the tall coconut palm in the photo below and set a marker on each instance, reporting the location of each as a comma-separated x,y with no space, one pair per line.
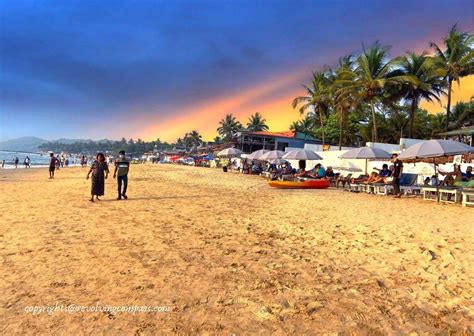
424,81
343,100
371,71
457,59
316,98
257,123
228,127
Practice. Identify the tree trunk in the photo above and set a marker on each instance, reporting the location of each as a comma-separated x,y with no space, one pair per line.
412,116
448,107
374,122
322,126
340,127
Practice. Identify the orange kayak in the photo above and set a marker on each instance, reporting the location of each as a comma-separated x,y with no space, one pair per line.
308,184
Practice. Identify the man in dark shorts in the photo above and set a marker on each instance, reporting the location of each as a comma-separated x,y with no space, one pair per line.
121,172
52,165
397,172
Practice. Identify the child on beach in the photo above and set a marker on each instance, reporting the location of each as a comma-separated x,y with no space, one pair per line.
122,166
100,171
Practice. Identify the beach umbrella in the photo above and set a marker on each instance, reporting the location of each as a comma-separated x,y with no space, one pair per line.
230,152
434,149
347,166
367,153
272,155
277,161
301,154
257,154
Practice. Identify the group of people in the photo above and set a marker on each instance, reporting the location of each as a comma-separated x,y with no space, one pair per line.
387,175
318,172
99,172
16,161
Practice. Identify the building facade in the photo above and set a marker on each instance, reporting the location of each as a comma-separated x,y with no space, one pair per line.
249,142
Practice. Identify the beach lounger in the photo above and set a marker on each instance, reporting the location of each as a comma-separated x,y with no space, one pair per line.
467,197
407,185
446,194
380,188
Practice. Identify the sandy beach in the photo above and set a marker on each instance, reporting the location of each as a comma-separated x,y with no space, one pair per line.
229,255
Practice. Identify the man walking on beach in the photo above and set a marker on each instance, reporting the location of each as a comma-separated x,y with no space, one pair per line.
52,165
121,171
397,172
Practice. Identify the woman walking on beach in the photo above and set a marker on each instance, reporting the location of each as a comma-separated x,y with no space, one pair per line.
100,171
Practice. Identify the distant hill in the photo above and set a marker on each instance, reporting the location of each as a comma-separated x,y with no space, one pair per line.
31,144
70,141
27,144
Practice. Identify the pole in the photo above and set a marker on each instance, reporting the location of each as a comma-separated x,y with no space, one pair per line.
437,180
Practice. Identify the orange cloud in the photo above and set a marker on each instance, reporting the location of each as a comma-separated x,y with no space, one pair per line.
205,117
277,111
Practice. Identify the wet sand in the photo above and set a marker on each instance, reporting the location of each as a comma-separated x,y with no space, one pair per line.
229,255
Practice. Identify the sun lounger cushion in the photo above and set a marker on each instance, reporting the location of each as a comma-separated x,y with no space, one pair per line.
408,179
468,184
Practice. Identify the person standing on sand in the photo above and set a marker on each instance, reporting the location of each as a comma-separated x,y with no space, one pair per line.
27,162
100,172
397,172
122,166
52,165
57,162
16,162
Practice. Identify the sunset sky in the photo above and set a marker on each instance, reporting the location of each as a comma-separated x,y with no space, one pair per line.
158,69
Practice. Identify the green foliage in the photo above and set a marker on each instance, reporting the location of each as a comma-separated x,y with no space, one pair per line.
371,97
257,123
228,126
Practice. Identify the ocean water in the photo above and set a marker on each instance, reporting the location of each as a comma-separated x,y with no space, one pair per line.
36,160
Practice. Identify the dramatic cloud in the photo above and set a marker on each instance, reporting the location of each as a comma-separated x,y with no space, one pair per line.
158,68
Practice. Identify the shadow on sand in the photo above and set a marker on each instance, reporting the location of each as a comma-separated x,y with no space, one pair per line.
146,198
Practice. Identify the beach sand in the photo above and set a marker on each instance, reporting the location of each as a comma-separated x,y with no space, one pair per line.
229,255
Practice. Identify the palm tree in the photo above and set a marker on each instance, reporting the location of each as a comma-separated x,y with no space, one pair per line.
424,80
437,121
371,76
228,127
343,100
463,114
257,123
295,126
305,125
316,98
457,60
193,138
